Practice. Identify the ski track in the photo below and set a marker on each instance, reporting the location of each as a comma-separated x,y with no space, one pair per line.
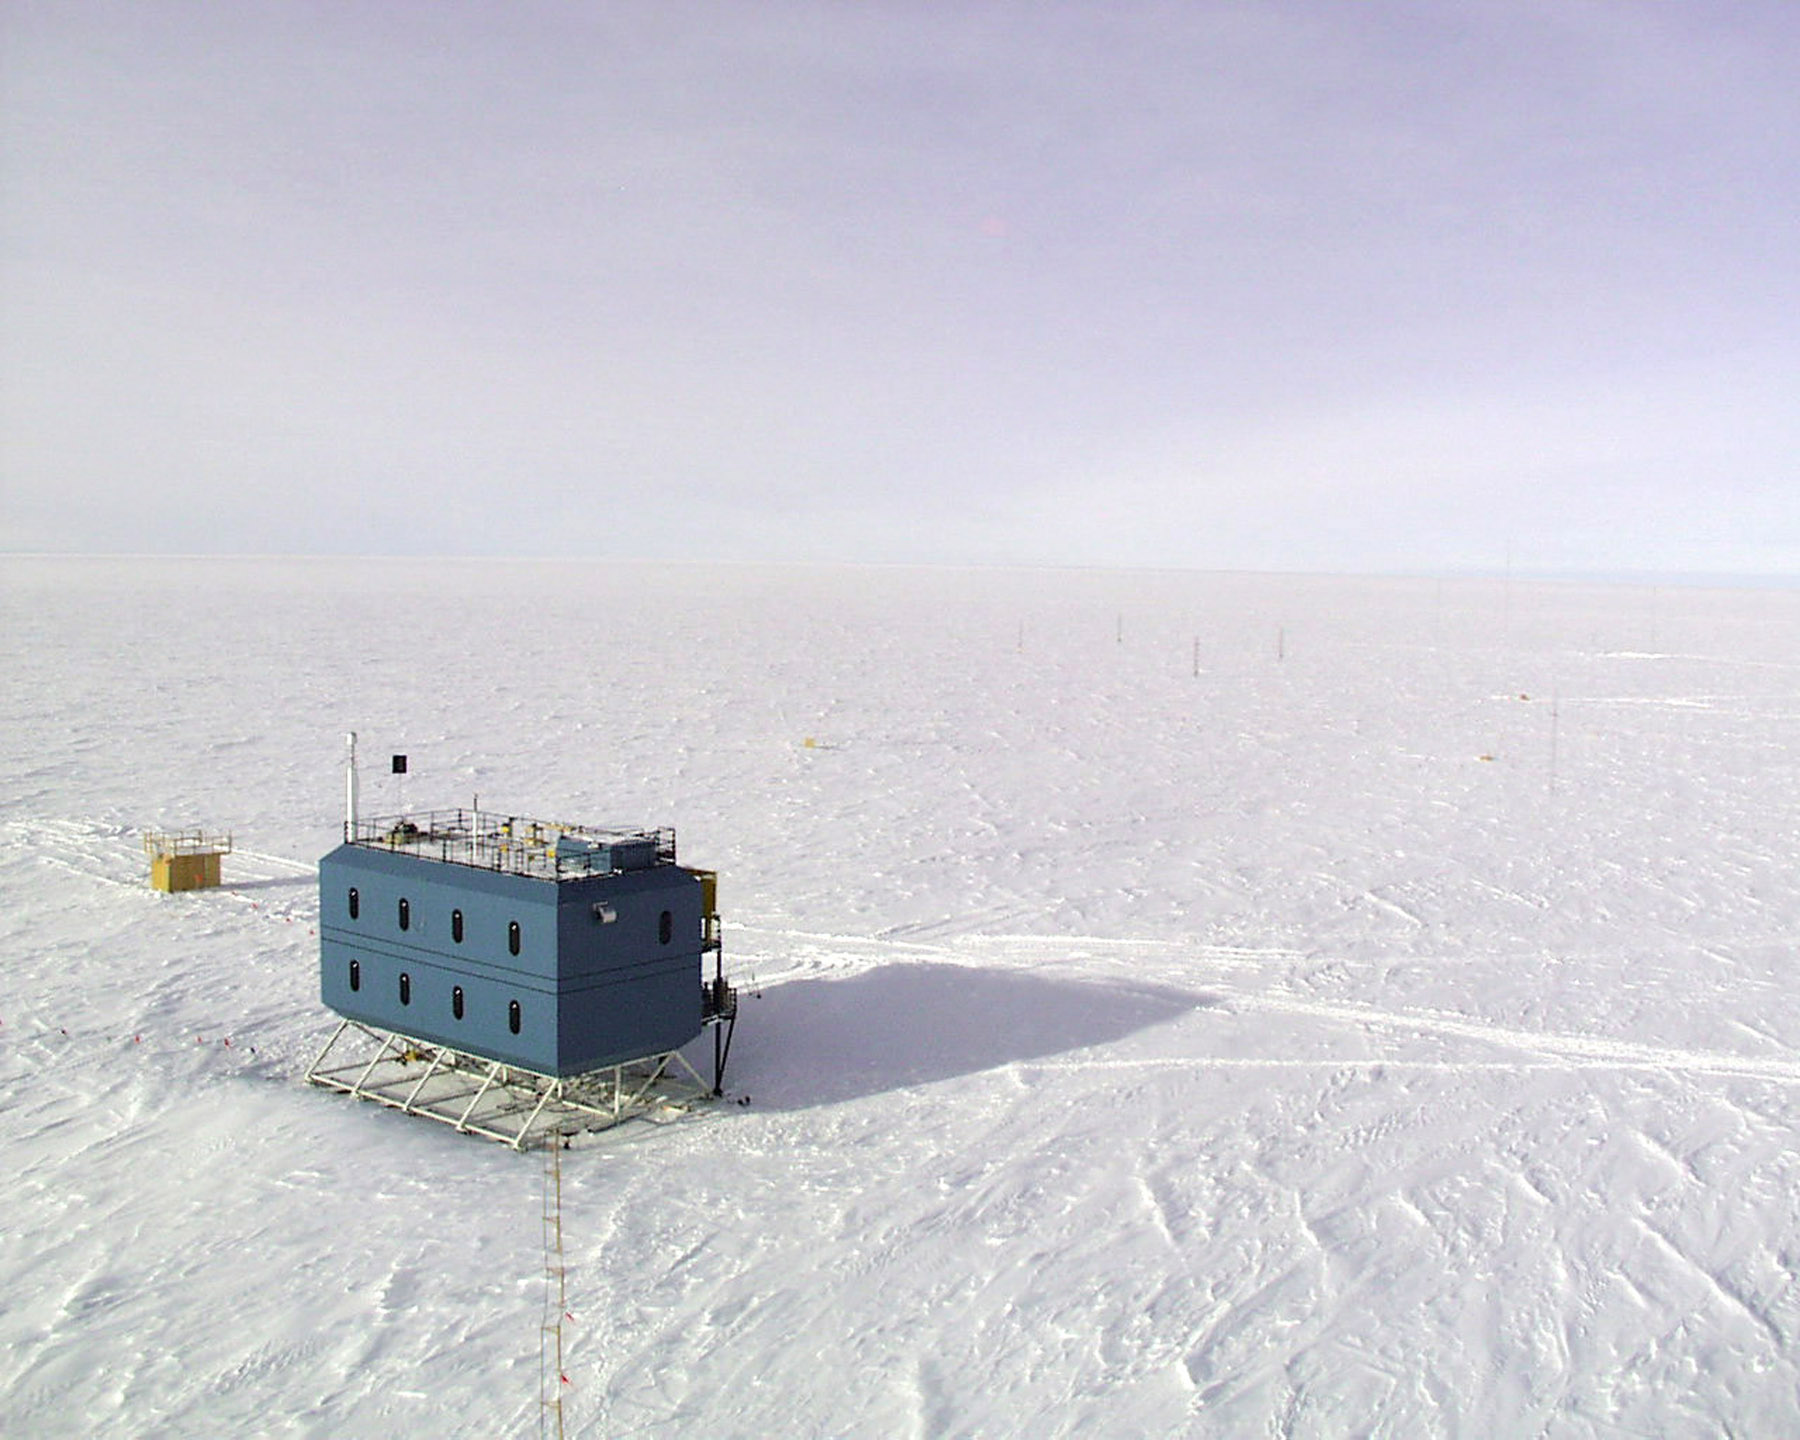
1547,1050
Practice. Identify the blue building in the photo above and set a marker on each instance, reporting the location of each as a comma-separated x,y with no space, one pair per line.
555,949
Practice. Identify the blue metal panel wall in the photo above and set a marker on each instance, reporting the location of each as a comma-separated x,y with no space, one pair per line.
591,990
626,991
433,961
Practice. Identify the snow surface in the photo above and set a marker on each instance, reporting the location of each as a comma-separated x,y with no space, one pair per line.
1390,1029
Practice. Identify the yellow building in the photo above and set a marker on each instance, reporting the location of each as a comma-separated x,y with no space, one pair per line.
185,859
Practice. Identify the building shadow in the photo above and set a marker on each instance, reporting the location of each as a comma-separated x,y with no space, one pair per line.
819,1042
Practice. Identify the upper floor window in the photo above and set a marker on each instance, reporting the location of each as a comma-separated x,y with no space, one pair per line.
405,913
355,903
665,927
456,926
513,937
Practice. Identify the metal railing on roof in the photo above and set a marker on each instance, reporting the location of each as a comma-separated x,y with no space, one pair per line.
514,844
165,843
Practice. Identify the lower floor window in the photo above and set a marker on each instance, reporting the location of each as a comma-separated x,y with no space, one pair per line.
513,1017
456,1005
356,974
405,988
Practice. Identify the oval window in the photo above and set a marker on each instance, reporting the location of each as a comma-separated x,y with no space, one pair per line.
355,903
665,927
456,1003
405,988
456,926
405,913
512,937
356,974
513,1017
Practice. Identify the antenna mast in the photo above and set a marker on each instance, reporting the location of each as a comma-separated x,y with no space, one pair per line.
350,784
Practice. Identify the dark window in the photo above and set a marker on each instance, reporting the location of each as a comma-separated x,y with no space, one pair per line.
665,927
456,1006
456,926
355,903
512,937
356,974
513,1017
405,988
405,913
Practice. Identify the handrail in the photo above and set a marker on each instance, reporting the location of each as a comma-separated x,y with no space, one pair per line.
512,843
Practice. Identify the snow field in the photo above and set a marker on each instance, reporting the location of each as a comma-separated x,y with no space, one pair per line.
1389,1029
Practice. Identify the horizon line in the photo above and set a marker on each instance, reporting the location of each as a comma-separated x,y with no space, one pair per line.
1721,579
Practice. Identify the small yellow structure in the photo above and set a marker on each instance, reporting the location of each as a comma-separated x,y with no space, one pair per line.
709,905
185,859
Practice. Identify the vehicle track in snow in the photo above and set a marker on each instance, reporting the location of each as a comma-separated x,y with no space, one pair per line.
1556,1049
823,955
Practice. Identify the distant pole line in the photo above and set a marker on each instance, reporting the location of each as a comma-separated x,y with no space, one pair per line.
1553,710
1506,599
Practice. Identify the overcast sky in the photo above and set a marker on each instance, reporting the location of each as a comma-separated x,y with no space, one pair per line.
1322,284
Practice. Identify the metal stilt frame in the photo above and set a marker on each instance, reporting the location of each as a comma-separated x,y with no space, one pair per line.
478,1096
